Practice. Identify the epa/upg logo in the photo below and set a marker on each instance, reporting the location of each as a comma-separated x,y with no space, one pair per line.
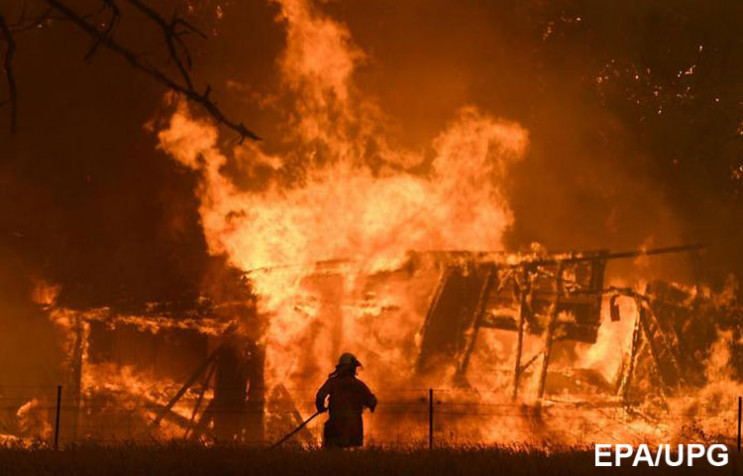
616,455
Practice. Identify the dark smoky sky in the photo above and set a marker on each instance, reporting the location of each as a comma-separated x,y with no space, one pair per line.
88,202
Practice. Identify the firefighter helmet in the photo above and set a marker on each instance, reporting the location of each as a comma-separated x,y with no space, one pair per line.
348,361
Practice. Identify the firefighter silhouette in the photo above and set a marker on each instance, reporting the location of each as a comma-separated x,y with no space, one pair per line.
347,397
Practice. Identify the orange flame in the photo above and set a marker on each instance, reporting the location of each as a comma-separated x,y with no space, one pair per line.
361,204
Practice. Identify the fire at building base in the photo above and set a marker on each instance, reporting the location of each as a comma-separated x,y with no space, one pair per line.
530,340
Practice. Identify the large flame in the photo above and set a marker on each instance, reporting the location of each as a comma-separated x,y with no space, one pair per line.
359,199
324,234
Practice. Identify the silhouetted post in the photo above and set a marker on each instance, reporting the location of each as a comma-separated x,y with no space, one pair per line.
554,312
523,291
430,418
740,410
56,420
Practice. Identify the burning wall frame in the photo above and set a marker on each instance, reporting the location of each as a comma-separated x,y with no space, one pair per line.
673,332
559,296
208,338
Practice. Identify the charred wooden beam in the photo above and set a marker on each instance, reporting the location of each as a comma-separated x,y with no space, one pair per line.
282,401
482,304
197,374
661,351
669,347
530,361
165,413
435,298
581,258
200,398
628,373
523,293
188,384
554,312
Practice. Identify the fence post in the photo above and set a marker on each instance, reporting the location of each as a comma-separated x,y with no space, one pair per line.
430,418
56,420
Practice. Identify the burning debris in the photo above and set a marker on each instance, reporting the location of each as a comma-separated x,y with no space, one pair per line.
127,365
675,332
560,296
207,370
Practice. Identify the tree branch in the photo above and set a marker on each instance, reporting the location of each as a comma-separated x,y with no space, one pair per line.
109,26
102,37
171,37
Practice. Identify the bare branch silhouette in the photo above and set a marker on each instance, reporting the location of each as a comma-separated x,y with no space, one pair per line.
108,28
102,34
172,37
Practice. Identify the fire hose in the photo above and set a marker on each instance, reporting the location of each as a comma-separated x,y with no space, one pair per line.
294,431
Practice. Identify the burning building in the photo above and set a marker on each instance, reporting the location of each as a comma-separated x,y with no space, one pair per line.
126,371
346,238
213,370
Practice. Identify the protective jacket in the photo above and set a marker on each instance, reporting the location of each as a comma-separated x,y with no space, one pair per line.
348,398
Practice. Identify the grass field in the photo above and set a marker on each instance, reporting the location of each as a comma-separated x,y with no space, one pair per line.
188,459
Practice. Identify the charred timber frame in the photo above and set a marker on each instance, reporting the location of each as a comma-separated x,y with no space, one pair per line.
579,258
296,417
204,384
523,292
654,351
250,421
445,273
645,333
527,270
249,355
665,349
188,384
557,288
490,280
626,380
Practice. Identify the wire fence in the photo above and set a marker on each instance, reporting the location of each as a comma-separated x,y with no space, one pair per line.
413,416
